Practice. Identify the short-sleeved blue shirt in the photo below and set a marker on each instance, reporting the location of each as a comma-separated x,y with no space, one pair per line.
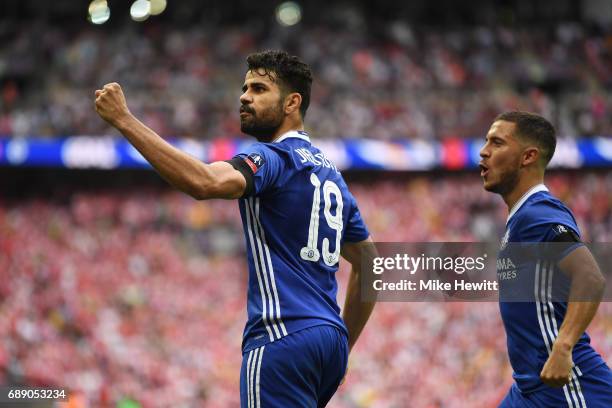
532,327
296,217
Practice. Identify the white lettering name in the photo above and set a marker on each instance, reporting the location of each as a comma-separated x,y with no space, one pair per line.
318,159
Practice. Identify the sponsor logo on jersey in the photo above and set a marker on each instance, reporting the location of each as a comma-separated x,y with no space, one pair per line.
504,240
506,269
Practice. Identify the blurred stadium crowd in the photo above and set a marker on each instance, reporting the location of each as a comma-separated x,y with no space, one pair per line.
136,297
389,82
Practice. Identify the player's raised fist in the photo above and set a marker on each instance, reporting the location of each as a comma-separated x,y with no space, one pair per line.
111,104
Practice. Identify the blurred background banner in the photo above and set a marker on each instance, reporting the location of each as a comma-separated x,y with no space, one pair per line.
363,154
130,294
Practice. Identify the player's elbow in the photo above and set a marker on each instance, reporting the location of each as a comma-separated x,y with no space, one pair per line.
204,190
596,280
360,254
593,284
199,196
225,189
217,180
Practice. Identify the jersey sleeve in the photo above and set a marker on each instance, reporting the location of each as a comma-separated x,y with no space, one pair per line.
261,167
554,227
563,239
356,230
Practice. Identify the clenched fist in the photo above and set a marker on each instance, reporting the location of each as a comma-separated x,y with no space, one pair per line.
111,104
558,368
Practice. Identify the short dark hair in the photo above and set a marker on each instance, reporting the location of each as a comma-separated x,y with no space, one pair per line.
292,74
535,128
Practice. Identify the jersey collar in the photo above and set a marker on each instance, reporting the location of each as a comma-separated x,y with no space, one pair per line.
300,134
535,189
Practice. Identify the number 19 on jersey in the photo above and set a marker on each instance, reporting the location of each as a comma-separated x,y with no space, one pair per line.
310,252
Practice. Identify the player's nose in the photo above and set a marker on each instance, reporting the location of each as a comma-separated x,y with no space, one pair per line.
245,98
484,152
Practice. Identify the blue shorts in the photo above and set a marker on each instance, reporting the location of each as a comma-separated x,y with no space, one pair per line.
591,390
303,369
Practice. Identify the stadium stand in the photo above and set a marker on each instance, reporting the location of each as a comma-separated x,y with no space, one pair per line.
132,295
139,294
400,82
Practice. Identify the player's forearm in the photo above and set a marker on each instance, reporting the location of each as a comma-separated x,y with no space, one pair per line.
586,290
178,168
356,312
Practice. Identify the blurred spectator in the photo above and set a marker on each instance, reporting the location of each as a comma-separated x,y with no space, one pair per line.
137,298
396,82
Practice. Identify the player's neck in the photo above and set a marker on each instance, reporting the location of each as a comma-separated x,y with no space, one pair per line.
522,187
287,126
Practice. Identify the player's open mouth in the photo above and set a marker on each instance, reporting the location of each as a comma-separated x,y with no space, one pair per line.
484,170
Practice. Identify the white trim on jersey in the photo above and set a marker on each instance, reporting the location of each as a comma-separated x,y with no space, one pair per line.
547,306
263,262
535,189
292,133
549,329
256,262
578,388
572,388
539,307
253,377
248,380
259,261
257,377
568,398
270,269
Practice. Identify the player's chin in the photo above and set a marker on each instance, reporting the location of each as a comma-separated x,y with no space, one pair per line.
246,125
489,185
251,129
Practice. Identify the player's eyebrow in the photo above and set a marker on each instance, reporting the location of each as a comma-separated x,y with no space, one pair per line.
254,84
495,138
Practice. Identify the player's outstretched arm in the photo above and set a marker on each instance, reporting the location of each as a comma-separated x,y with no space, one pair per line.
188,174
356,312
586,291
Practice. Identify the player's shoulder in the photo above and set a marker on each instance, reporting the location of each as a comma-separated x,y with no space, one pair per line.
263,147
263,151
545,205
282,150
544,208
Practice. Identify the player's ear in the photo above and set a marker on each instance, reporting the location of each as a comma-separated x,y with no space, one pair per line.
293,101
530,155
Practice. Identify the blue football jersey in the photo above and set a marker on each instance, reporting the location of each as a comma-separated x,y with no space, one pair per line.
296,217
532,327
